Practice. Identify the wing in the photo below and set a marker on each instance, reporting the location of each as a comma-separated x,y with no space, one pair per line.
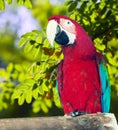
59,82
105,84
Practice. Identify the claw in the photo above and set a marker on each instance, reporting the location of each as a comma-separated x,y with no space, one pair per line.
77,113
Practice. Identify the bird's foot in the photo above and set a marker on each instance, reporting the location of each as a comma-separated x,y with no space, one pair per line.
77,113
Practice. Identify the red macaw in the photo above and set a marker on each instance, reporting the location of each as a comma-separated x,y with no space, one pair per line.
83,82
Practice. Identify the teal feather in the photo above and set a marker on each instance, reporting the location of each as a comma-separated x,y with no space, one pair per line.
57,86
105,97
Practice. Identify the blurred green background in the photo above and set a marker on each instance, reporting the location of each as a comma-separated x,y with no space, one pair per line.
28,64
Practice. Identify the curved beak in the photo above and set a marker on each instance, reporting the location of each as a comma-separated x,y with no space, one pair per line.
51,31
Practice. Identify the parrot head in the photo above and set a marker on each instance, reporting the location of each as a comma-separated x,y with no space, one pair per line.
62,30
69,34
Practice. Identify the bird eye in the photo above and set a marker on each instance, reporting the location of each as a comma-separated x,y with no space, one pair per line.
68,22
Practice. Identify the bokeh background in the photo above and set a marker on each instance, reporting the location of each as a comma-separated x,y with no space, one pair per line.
28,64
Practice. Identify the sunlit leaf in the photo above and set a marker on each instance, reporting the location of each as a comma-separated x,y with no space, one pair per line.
44,107
45,87
35,93
22,41
28,96
28,4
99,45
40,90
39,39
21,77
18,67
21,99
2,5
48,103
113,43
20,2
68,2
29,82
56,98
36,106
28,47
10,67
9,1
16,94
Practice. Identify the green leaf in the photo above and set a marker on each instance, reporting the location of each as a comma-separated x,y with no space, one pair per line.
36,106
36,31
21,77
5,105
44,107
9,1
10,67
35,93
83,7
40,90
16,94
18,67
29,82
20,2
2,5
72,6
22,87
68,2
113,43
39,39
99,45
28,47
28,4
21,99
45,87
28,96
56,98
48,103
38,53
22,41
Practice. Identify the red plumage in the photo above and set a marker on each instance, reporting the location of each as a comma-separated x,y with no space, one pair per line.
78,76
79,83
79,86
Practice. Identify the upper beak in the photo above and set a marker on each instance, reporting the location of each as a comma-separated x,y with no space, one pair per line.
51,31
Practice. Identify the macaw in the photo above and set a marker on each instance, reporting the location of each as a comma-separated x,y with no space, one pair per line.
83,81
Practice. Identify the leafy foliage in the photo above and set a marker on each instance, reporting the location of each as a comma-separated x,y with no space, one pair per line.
27,3
33,78
32,66
38,81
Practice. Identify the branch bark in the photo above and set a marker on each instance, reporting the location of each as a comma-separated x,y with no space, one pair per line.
97,121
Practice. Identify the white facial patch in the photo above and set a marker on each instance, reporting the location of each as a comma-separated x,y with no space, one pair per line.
71,36
51,31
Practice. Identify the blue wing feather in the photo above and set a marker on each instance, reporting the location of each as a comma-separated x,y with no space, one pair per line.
57,86
105,97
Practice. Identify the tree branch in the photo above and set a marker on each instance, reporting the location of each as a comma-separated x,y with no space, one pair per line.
97,121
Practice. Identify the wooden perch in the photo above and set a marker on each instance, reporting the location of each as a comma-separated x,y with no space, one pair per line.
97,121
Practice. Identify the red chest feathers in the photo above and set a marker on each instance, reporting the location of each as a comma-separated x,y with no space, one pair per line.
80,86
